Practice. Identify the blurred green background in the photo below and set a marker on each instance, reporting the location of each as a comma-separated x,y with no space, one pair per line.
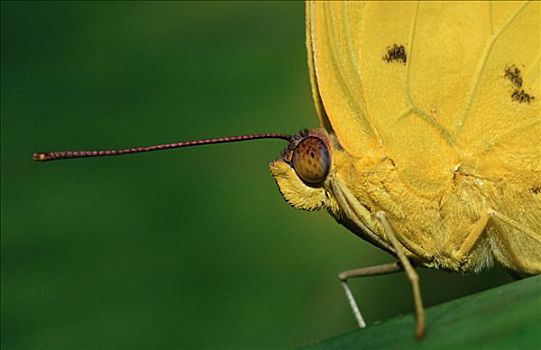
191,248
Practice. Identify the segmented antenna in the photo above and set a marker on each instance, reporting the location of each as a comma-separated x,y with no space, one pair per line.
47,156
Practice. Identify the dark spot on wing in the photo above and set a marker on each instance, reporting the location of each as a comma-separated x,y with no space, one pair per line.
536,189
521,96
513,74
396,53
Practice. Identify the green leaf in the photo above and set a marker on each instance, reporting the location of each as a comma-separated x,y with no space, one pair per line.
506,317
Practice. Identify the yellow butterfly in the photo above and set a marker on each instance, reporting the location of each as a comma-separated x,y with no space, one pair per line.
430,145
430,137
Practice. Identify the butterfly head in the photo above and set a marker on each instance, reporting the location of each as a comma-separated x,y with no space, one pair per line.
303,169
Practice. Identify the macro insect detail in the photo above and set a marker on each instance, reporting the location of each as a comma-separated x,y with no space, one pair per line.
428,145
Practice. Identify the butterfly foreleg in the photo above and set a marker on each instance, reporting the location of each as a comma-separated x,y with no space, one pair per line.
344,276
473,236
410,273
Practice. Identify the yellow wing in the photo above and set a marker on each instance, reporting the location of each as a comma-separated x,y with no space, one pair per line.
439,85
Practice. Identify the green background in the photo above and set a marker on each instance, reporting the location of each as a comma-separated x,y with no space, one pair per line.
190,248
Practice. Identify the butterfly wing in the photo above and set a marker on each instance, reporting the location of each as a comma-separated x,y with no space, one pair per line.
499,131
426,80
333,59
445,89
365,77
320,110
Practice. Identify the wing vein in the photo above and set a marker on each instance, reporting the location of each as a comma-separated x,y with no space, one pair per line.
481,68
445,134
340,76
312,67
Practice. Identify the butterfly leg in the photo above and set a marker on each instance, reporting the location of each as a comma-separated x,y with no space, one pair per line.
478,229
410,272
473,236
344,276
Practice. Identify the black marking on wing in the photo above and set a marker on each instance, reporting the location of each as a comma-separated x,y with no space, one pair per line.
513,74
396,53
521,96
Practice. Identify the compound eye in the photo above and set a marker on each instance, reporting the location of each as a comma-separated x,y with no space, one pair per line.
311,160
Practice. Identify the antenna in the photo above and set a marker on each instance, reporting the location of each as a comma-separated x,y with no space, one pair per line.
47,156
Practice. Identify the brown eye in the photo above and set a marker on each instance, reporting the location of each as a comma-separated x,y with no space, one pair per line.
311,160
